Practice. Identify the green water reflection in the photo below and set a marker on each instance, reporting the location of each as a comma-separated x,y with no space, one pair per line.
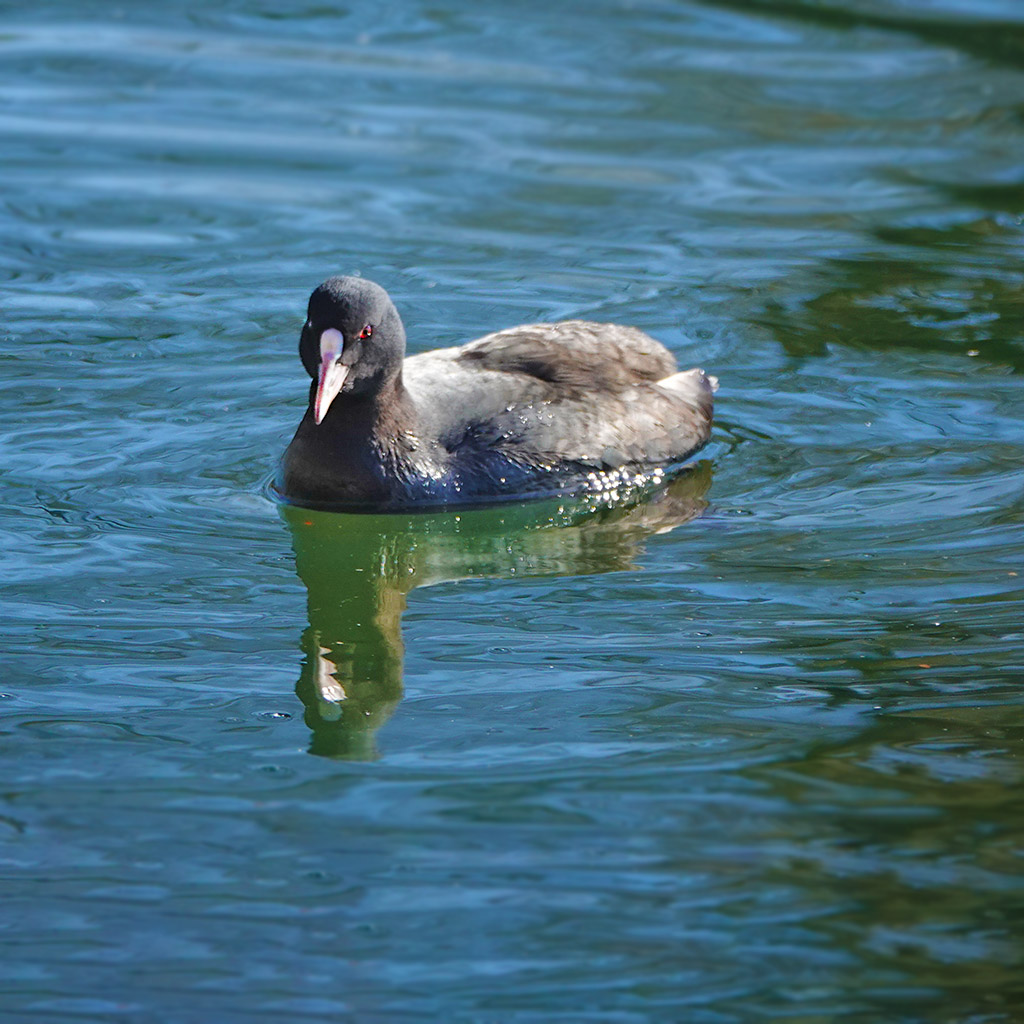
359,570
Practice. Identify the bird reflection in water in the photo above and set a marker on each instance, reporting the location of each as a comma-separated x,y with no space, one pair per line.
359,569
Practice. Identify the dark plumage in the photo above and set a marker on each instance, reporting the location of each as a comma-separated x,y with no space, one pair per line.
536,410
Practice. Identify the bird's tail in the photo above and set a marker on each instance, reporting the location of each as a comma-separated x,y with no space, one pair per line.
694,385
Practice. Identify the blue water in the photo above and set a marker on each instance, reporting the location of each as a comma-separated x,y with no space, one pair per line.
748,750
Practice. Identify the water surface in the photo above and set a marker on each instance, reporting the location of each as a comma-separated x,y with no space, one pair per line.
749,751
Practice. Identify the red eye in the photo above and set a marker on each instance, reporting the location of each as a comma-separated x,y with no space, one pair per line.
366,332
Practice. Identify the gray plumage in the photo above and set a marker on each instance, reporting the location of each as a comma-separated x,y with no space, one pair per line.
537,409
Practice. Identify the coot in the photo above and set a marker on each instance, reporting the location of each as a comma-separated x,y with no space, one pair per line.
531,411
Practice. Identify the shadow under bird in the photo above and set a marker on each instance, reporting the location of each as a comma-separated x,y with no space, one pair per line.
568,408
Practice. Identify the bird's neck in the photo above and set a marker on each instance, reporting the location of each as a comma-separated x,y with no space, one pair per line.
377,420
389,408
366,451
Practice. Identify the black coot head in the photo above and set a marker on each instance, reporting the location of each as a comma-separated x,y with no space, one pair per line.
352,343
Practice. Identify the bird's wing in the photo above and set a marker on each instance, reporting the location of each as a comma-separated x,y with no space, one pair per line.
573,353
597,394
